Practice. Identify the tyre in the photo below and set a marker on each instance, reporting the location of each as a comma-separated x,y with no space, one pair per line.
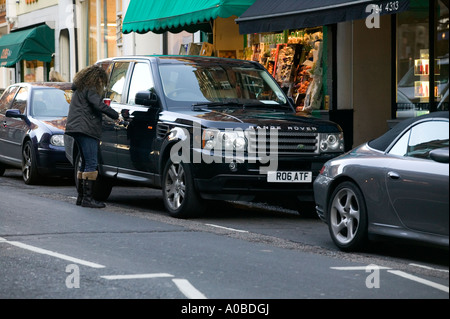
180,197
347,217
30,173
102,186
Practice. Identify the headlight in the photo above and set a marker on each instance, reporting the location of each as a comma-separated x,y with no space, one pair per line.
57,140
331,142
214,139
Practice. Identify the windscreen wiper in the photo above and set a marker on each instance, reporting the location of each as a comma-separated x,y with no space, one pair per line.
200,106
209,105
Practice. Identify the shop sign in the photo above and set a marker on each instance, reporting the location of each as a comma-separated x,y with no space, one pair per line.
6,53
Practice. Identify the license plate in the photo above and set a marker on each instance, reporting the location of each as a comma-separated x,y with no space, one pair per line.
289,177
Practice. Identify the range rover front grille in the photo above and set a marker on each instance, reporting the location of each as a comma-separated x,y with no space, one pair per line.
288,143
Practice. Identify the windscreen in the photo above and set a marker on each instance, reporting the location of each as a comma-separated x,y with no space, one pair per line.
50,102
187,84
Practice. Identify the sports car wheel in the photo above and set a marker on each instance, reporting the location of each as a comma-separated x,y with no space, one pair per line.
347,217
180,197
29,168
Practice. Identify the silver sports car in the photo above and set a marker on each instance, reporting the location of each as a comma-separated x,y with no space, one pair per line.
393,186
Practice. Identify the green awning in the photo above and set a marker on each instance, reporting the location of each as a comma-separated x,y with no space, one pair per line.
177,15
31,44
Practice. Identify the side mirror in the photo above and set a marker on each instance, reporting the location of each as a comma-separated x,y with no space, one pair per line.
440,155
15,113
146,98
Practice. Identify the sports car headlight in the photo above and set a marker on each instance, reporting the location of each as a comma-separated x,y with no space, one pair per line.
224,140
331,142
57,140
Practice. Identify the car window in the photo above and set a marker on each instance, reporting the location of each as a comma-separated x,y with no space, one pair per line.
141,80
200,83
117,81
50,102
421,139
20,102
7,97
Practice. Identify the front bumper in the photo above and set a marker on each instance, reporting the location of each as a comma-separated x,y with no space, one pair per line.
53,162
248,188
321,188
245,181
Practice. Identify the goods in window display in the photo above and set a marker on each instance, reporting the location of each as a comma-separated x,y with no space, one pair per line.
288,58
296,65
207,49
313,99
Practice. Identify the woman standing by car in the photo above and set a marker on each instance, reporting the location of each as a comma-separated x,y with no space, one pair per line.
84,124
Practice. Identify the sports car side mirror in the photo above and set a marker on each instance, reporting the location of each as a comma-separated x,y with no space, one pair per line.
440,155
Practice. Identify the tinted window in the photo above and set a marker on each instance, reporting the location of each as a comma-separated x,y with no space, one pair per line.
421,139
117,81
141,80
20,102
7,97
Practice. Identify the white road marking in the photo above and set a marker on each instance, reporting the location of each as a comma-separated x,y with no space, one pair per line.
55,254
232,229
399,273
137,276
428,267
188,290
420,280
358,268
183,285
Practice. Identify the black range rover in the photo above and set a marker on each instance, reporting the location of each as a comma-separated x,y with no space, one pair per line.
205,129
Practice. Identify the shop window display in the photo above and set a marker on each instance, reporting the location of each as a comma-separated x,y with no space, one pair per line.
441,74
32,70
295,61
414,60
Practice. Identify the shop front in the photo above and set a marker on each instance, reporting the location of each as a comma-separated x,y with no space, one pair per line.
29,51
362,64
422,58
295,59
214,19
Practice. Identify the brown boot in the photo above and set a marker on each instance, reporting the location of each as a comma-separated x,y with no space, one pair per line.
89,179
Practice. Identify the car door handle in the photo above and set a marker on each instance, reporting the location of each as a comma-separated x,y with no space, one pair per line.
393,175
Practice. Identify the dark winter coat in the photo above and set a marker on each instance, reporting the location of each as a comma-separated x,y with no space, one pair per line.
85,113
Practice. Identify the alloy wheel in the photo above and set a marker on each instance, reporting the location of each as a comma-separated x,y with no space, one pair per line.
175,186
345,216
27,163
